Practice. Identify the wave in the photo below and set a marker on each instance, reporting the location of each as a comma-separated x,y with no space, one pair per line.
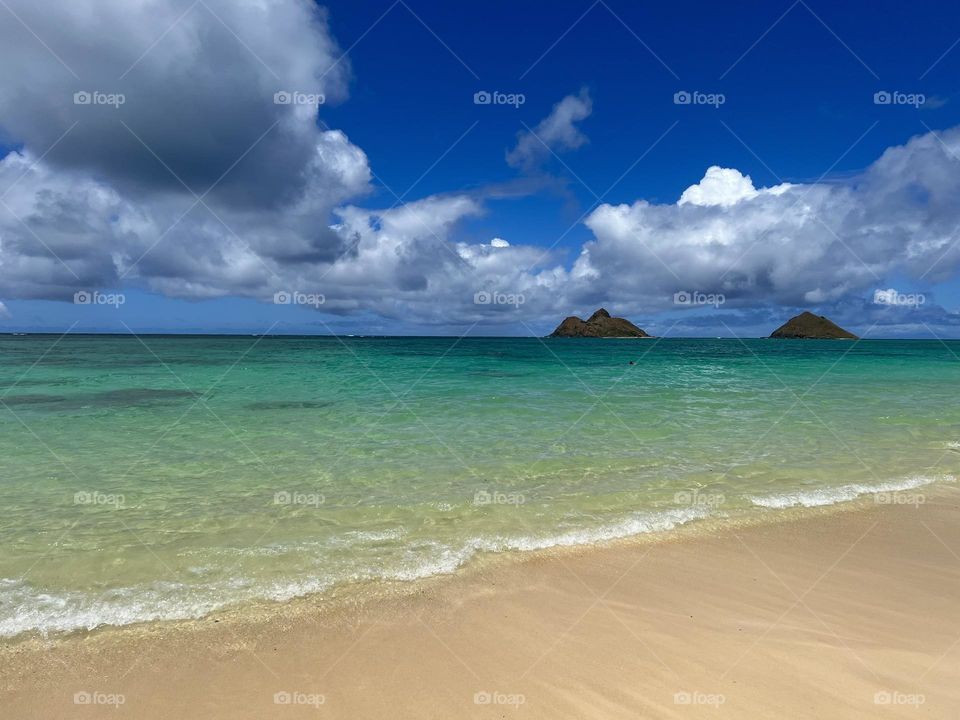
818,497
35,610
448,559
30,609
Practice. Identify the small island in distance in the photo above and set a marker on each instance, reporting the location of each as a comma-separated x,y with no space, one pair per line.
599,325
807,326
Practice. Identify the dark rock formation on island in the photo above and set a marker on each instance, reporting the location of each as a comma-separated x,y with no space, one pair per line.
807,326
600,325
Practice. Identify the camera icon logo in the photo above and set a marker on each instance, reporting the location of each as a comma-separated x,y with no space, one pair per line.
681,298
882,98
282,98
82,98
282,297
82,297
682,98
482,97
482,298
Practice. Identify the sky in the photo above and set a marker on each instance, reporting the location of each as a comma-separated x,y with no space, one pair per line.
434,168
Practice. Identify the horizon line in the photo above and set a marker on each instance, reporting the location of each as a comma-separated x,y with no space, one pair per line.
333,336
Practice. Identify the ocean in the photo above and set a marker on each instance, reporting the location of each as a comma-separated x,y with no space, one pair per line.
168,477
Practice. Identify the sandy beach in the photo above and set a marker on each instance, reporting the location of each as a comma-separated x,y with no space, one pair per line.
841,614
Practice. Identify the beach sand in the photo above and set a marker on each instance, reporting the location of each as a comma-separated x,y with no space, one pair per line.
842,614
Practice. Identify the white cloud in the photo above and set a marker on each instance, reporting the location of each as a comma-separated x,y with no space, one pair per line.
725,187
111,200
790,244
198,85
499,243
556,132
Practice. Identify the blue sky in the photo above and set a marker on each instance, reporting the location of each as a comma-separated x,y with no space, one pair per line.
799,98
798,82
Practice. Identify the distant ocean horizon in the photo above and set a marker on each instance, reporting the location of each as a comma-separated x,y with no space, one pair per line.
472,335
168,476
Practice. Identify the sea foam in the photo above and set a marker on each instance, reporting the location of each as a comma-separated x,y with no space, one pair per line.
29,609
817,497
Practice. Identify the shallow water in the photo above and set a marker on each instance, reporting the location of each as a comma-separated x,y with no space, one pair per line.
170,477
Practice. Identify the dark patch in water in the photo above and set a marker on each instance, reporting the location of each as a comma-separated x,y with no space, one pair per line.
141,396
27,382
289,405
127,397
87,362
15,400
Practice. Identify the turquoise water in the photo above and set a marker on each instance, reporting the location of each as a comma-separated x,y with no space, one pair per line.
171,476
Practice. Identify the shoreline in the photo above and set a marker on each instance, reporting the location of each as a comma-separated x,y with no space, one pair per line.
385,589
585,618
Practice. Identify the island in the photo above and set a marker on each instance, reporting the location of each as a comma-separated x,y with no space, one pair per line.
807,326
599,325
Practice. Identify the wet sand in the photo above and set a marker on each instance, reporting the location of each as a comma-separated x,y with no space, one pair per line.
845,614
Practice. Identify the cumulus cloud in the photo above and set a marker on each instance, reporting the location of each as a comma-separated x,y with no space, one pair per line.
61,229
202,181
408,263
197,83
555,133
798,244
725,187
